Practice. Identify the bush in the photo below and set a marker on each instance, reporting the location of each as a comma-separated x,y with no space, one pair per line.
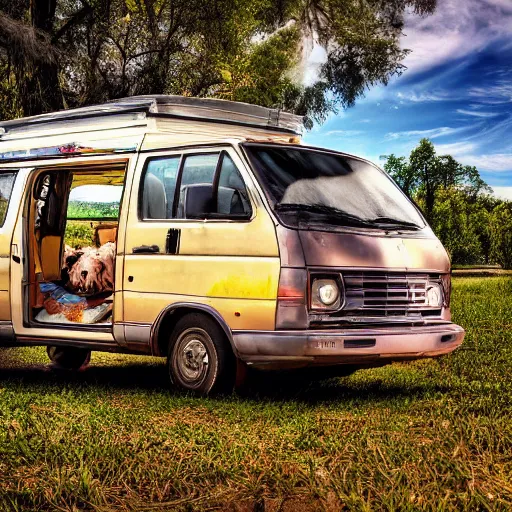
456,221
79,234
86,210
501,234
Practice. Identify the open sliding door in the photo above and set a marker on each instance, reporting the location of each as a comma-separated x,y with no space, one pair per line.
12,185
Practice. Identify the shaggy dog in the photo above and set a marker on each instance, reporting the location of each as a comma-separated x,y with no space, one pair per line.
90,269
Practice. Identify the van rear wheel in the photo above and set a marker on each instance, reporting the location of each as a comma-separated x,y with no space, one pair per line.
200,358
69,358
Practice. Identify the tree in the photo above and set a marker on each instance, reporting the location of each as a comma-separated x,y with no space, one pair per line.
501,234
26,39
74,52
402,173
426,167
455,199
459,224
426,173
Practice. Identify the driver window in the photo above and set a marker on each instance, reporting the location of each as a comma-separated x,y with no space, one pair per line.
199,195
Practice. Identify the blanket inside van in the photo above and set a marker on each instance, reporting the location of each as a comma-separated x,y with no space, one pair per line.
82,296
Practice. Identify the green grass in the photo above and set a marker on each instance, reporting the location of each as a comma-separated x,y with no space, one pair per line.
471,267
85,210
427,435
79,233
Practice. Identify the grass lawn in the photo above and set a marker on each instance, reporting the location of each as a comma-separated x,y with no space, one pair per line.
427,435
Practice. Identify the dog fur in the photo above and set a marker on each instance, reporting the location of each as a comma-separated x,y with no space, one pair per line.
90,269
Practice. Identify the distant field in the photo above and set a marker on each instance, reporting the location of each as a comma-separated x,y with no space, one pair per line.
86,210
428,435
80,233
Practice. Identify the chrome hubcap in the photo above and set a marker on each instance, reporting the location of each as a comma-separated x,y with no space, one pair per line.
193,359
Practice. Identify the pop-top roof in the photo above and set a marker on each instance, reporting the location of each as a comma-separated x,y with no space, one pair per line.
204,109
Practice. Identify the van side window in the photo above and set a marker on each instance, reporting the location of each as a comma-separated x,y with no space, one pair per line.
159,187
210,186
197,175
6,184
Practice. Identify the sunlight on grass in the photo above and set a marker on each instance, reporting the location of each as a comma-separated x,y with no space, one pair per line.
431,434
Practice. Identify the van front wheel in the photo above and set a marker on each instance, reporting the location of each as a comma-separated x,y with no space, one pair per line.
69,358
200,357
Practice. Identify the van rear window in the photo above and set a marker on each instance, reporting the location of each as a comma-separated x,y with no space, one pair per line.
6,184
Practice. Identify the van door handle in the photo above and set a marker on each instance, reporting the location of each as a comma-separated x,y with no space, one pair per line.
172,241
141,249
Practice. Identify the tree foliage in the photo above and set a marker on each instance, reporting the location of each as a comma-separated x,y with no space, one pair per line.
501,234
426,173
56,53
462,225
456,202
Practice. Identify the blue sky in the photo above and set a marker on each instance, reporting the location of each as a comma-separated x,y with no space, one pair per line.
457,91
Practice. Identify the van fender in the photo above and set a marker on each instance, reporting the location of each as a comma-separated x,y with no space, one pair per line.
191,307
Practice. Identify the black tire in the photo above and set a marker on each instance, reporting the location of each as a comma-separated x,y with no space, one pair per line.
200,358
69,358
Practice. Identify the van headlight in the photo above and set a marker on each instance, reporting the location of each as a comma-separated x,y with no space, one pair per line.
434,295
325,294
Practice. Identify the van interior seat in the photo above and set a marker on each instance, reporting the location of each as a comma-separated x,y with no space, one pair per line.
154,203
104,233
198,198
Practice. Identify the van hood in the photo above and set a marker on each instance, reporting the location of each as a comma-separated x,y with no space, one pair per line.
334,249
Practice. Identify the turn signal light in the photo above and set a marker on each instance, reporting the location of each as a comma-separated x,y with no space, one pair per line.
291,299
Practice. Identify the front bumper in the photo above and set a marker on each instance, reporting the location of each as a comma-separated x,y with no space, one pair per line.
365,347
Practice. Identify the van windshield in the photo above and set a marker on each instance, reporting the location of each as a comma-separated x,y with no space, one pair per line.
319,186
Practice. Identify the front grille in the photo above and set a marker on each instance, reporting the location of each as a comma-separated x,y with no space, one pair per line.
382,294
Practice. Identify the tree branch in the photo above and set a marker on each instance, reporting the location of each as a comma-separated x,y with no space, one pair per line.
77,18
24,41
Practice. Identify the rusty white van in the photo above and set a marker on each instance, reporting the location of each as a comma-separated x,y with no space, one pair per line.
219,241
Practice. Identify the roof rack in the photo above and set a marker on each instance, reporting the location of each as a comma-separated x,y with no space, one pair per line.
198,109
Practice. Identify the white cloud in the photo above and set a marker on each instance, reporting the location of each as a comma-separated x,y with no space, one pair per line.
476,113
493,162
430,134
456,29
420,97
501,92
505,5
456,149
313,59
503,192
497,131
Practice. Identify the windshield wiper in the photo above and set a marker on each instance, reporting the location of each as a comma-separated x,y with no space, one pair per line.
340,215
385,221
329,211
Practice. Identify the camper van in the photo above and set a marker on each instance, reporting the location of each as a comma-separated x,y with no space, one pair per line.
203,231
